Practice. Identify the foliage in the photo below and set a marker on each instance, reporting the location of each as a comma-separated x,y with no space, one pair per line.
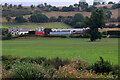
8,18
96,20
60,18
9,36
83,5
115,6
52,19
102,66
91,8
4,31
31,32
78,17
24,70
113,32
47,31
69,71
80,25
66,9
111,26
8,61
56,62
110,2
37,60
38,17
30,68
14,13
32,6
108,14
54,8
20,19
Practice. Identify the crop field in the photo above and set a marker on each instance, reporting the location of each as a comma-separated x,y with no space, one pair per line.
36,25
63,48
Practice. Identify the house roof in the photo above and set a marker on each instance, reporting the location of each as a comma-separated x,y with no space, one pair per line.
19,29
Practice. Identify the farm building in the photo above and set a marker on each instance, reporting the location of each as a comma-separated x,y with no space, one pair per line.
19,31
67,31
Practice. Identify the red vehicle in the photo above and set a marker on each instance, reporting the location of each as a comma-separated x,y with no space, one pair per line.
41,33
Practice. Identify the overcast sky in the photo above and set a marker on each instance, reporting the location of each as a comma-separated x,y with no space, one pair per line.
53,2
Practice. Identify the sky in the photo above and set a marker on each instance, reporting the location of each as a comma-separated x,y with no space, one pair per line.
52,2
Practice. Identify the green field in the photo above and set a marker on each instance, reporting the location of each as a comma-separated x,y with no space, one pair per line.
36,25
63,48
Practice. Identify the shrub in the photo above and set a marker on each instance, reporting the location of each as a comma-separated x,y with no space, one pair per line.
47,31
116,70
8,61
79,64
38,17
37,60
20,19
66,72
102,66
114,36
27,71
31,32
113,32
9,36
70,72
56,62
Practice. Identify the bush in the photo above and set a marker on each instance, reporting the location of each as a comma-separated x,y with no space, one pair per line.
38,17
20,19
37,60
114,36
47,31
56,62
27,71
111,26
113,32
31,32
116,70
102,66
104,33
70,72
79,64
4,31
9,36
8,61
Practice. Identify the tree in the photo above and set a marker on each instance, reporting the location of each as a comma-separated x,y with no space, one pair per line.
10,5
20,19
79,25
83,5
5,4
32,6
77,6
45,4
60,18
91,8
20,6
8,18
52,19
9,36
38,17
78,17
108,14
96,20
54,8
115,6
110,2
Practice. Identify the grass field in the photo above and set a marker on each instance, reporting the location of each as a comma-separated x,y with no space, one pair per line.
63,48
36,25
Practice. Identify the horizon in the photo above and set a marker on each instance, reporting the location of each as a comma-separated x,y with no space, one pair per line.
53,3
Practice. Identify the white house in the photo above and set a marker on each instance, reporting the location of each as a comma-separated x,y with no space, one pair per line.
19,31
